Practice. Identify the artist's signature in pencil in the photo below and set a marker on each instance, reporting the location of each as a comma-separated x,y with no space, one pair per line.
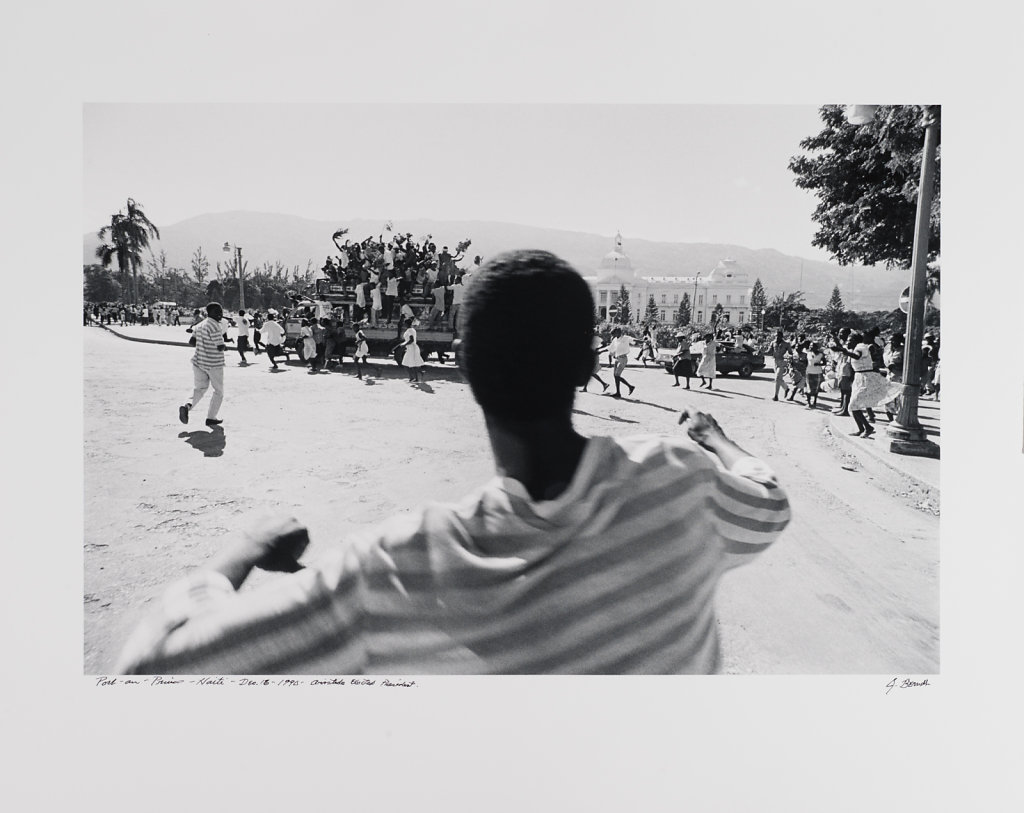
905,683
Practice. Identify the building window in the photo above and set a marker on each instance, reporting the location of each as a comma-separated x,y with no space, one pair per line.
700,316
700,299
714,299
675,299
663,313
741,317
602,297
742,297
663,299
728,299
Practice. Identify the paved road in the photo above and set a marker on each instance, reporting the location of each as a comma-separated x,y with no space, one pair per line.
852,587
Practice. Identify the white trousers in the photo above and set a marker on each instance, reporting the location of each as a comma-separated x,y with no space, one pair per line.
204,378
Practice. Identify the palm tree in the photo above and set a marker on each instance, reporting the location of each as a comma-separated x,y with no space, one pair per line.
129,234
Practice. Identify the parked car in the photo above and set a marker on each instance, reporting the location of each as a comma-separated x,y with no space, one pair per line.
728,359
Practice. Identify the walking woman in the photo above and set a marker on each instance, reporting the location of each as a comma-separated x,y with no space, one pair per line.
779,350
843,372
682,361
815,359
646,346
362,350
308,345
797,370
869,388
707,366
619,350
412,358
894,364
598,345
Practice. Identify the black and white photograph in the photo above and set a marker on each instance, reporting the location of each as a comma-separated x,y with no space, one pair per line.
521,389
511,406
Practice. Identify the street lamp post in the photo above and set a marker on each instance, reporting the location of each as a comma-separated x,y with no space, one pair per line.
693,307
906,433
241,282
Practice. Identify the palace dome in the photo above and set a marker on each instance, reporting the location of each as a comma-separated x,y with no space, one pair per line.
615,261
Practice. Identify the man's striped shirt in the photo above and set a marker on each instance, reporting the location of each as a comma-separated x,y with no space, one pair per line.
616,575
209,333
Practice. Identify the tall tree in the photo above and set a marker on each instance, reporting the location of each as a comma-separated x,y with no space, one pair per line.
215,291
835,312
99,285
623,314
683,314
866,180
232,277
200,266
652,316
128,234
785,310
758,302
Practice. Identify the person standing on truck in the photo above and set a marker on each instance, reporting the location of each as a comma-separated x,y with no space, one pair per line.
208,365
390,294
437,309
376,303
458,291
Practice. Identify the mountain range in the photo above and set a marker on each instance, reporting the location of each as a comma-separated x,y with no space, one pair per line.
292,240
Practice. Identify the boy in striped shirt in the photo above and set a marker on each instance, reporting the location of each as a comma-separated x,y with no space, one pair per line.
208,365
583,555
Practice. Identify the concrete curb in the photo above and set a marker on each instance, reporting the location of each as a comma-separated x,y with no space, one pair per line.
137,339
879,454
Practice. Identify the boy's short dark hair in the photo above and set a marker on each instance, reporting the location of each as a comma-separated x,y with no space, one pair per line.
526,327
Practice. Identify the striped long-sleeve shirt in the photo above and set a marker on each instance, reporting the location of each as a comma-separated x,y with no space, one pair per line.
616,575
209,334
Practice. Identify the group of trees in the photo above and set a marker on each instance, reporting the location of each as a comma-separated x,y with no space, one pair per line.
124,241
866,179
138,279
266,287
785,310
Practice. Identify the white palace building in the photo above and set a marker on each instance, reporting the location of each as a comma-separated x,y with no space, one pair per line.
727,284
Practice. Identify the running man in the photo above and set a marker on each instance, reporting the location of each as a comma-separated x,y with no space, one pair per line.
273,334
243,335
619,349
208,365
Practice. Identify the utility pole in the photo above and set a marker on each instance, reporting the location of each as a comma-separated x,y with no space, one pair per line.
906,433
238,268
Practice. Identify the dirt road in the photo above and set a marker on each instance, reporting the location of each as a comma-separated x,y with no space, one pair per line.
852,587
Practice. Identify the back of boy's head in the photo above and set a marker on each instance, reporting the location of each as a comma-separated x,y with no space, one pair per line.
526,327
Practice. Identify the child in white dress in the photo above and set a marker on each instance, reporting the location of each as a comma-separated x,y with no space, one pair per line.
412,359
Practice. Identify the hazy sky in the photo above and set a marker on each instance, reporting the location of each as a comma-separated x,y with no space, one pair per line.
676,172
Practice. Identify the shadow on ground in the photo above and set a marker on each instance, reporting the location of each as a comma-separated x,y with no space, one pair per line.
211,443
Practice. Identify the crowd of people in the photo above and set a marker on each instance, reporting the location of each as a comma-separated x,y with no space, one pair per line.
385,273
115,313
863,367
